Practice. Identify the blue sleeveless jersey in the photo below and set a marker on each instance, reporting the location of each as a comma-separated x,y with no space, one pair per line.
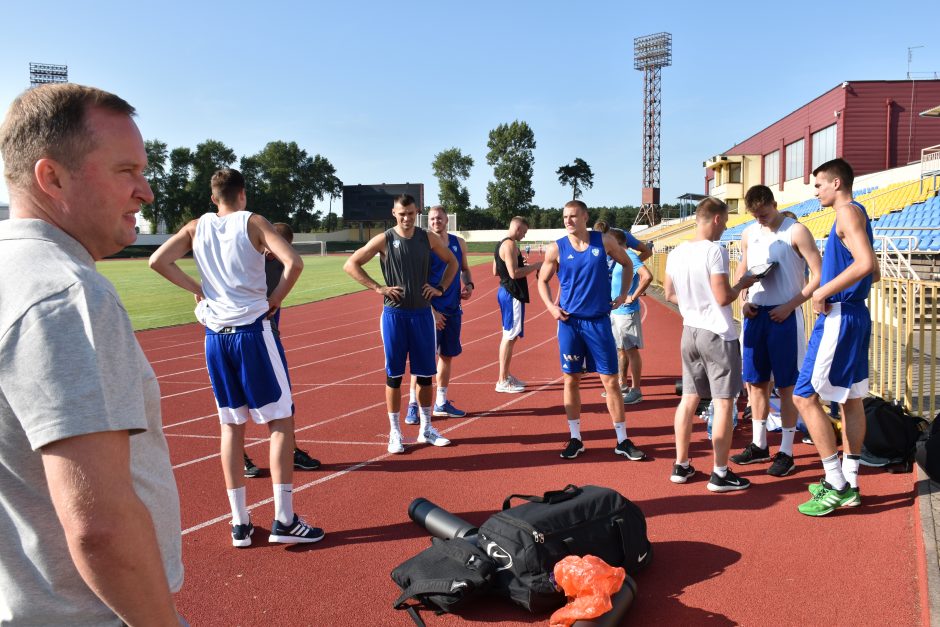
450,301
585,283
836,258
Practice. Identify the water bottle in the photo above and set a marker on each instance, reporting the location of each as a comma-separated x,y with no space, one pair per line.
709,414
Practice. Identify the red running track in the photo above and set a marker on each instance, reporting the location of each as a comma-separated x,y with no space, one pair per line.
720,559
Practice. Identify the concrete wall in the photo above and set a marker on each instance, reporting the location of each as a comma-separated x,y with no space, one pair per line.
533,235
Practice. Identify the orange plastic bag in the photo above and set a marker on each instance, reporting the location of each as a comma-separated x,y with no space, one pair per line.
589,582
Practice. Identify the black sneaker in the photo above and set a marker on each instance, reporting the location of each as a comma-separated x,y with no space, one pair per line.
783,465
681,474
297,531
751,454
575,447
251,471
304,461
729,483
629,451
241,534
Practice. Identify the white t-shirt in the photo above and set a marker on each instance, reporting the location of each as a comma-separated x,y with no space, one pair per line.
789,277
690,267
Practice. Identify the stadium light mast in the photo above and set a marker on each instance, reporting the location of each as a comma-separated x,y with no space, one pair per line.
651,53
43,73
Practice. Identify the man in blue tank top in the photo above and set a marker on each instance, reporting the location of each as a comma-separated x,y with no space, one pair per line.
447,317
836,363
585,340
407,323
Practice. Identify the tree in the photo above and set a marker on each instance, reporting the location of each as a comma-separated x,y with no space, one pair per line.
155,173
510,154
451,167
210,155
578,175
176,192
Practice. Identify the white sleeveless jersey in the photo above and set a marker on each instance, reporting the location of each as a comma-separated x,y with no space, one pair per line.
232,269
789,277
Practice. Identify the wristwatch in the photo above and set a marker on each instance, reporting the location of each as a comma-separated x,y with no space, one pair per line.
439,288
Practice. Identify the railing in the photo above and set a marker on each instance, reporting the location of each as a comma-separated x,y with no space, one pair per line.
892,260
903,359
930,160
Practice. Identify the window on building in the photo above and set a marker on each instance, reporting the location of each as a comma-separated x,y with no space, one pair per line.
711,185
824,146
734,173
732,205
772,168
795,160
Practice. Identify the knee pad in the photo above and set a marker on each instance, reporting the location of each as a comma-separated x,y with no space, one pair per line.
393,382
423,381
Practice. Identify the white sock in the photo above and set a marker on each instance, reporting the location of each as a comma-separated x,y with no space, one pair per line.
760,432
786,440
412,400
236,499
393,421
850,469
574,426
686,463
425,414
284,502
834,475
621,429
441,395
721,471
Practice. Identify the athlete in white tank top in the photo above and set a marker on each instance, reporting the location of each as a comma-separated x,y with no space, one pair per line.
765,245
232,269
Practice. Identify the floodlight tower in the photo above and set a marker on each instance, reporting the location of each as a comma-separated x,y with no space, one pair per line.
42,73
651,53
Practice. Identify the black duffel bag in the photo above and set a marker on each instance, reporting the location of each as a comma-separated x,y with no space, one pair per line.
444,577
527,541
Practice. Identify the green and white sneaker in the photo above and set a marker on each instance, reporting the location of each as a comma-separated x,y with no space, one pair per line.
827,499
816,487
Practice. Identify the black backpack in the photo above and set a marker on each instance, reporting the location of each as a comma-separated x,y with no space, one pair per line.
443,577
891,434
928,451
527,541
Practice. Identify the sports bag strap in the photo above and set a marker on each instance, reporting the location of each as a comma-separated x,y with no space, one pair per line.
457,548
413,613
624,537
426,586
553,496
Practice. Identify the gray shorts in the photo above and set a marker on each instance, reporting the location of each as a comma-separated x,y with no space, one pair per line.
628,330
711,366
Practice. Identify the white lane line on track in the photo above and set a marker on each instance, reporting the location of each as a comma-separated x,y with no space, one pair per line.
340,473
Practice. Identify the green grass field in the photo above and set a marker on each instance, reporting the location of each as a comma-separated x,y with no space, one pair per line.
153,302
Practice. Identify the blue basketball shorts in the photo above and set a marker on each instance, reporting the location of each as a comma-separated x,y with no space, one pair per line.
773,348
409,334
836,363
512,312
248,372
448,338
587,345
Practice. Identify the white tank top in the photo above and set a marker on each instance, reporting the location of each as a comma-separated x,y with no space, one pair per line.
789,277
232,269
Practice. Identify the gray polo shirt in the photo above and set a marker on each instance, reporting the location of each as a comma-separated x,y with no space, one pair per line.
69,365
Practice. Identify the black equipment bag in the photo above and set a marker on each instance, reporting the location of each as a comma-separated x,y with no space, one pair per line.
891,434
527,541
443,577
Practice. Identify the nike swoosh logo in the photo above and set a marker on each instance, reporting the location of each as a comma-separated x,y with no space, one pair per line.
642,557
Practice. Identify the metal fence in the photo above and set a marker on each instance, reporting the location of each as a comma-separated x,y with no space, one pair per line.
903,360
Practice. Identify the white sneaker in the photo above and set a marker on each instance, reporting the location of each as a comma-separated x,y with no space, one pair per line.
394,442
509,387
516,381
431,436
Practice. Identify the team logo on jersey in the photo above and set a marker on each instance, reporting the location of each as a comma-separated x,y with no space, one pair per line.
454,248
596,252
570,256
396,243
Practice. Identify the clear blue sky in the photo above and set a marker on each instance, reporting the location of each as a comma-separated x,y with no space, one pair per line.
380,87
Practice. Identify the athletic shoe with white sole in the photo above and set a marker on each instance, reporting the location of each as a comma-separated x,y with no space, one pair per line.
814,489
629,451
296,532
632,397
241,534
574,448
782,465
827,499
303,461
394,442
681,474
447,410
752,454
728,483
412,418
513,379
251,471
508,387
431,436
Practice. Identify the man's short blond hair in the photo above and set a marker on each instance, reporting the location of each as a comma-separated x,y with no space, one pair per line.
49,122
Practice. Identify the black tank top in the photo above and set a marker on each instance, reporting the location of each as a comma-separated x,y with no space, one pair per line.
517,288
405,265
